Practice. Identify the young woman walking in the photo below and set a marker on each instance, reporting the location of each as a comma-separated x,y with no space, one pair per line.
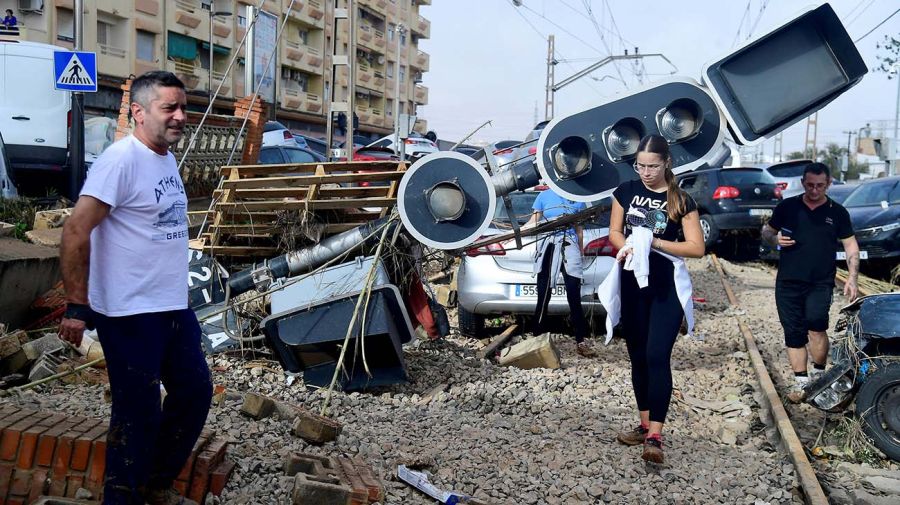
655,296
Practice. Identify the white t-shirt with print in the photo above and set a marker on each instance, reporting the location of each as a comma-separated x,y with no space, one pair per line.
139,260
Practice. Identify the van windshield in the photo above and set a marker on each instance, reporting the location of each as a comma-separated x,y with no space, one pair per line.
38,70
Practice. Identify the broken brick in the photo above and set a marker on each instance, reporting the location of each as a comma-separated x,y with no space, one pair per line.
311,490
314,428
257,406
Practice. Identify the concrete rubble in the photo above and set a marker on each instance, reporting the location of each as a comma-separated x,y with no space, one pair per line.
512,434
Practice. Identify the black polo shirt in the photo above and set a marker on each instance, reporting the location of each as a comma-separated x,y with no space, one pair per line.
817,231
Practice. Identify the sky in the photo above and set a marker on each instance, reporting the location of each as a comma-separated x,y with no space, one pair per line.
488,58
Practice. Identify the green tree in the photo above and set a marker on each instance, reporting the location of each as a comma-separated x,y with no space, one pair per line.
796,155
889,55
833,155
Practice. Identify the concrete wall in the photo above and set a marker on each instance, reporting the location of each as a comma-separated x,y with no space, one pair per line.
26,272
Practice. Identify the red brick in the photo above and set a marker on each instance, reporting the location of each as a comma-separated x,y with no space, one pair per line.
9,441
94,481
197,489
219,477
180,486
64,448
21,482
38,484
29,444
6,471
14,417
73,482
47,443
82,449
211,456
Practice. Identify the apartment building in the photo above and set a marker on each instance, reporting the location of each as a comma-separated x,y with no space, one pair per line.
134,36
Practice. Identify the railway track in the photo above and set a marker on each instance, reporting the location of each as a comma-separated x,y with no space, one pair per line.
809,482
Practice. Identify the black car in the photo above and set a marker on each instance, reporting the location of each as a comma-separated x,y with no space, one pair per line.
274,155
314,144
731,199
874,208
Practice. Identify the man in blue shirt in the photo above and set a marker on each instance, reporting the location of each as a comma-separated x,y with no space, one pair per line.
560,251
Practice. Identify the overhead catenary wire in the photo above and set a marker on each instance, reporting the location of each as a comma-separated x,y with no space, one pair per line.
883,21
860,13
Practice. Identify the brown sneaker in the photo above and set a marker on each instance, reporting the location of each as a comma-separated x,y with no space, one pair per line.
167,497
632,437
584,349
653,452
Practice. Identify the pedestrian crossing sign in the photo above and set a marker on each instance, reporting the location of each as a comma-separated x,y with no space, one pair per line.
75,70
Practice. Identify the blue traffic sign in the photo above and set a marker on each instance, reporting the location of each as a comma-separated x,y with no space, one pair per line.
75,70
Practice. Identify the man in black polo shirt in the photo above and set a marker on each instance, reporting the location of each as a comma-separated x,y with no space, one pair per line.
807,228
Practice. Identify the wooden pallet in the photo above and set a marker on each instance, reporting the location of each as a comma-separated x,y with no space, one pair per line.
333,197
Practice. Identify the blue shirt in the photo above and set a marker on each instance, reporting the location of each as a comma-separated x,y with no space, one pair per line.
553,206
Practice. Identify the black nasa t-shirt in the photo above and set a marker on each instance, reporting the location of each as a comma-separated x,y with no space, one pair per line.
649,209
816,233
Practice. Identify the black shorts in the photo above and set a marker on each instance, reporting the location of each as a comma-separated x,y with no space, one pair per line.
802,307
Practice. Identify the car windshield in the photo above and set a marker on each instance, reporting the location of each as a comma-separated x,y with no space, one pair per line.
521,206
745,177
874,193
271,126
795,170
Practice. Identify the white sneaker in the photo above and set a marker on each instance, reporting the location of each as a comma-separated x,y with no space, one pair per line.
797,392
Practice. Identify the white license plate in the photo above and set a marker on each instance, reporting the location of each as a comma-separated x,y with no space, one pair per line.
841,255
530,291
760,212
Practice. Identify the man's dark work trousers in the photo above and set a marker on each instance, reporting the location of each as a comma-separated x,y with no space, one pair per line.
148,443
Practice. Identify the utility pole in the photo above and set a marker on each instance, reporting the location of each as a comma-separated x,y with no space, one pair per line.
846,161
399,30
777,150
894,162
76,176
551,77
333,105
811,129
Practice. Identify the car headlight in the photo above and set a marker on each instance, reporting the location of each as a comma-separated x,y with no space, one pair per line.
875,230
827,399
842,384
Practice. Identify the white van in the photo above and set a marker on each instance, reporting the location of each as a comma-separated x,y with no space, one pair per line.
34,117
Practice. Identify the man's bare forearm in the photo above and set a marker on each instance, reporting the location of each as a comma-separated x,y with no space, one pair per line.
770,235
853,264
75,252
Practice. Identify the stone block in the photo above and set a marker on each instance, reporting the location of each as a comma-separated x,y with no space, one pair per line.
46,238
537,352
10,343
49,343
884,485
257,406
314,428
445,295
312,490
50,219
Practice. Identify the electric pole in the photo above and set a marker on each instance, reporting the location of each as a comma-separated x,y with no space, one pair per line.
551,77
76,176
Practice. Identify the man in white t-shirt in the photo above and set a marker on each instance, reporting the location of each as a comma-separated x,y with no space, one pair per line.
125,265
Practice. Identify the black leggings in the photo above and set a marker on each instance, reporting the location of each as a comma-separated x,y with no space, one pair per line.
573,296
651,318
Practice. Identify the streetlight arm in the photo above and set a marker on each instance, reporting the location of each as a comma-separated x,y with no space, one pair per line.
569,80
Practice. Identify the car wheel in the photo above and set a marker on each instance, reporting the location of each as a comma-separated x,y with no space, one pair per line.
470,325
709,229
878,406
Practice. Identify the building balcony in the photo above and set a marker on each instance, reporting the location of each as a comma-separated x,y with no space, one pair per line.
113,61
218,77
421,126
365,37
21,33
364,113
379,6
298,100
421,95
421,61
421,26
423,2
297,55
380,41
193,77
188,18
365,76
310,12
378,81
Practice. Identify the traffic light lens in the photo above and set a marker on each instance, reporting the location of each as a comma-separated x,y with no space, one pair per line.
571,157
679,121
622,138
446,201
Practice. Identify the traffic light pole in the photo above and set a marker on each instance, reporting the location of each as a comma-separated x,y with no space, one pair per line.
76,142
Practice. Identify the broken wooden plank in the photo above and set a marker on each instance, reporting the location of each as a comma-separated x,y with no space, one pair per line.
238,207
307,180
498,342
330,167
